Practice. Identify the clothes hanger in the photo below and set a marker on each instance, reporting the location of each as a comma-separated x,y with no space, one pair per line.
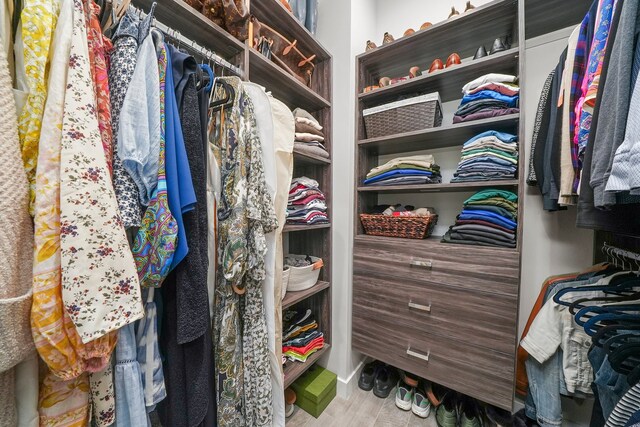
592,325
207,68
227,101
613,285
625,358
607,332
613,309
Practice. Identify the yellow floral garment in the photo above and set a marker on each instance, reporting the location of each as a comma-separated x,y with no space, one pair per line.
100,287
54,334
38,20
64,403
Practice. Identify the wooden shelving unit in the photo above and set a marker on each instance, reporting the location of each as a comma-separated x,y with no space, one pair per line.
316,99
429,272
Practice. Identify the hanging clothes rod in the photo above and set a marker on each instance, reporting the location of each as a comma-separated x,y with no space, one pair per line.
204,52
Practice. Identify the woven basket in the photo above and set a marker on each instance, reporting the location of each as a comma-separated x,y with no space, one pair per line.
407,227
411,114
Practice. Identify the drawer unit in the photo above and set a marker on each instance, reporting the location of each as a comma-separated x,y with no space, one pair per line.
478,372
487,269
480,319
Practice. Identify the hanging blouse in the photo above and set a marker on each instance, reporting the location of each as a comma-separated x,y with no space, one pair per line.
139,129
64,403
100,287
181,195
99,47
54,334
245,214
123,64
38,20
155,242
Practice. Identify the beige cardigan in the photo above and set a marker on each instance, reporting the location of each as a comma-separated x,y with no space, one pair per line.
16,250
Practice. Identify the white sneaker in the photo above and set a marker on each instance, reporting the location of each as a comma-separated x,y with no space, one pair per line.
420,404
404,396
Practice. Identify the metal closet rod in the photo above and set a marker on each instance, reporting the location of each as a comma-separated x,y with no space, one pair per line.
206,53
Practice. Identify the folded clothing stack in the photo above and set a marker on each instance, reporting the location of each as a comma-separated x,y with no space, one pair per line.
399,210
307,204
309,135
489,218
405,171
488,156
301,337
491,95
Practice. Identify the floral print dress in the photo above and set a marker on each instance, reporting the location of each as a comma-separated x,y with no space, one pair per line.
100,287
245,214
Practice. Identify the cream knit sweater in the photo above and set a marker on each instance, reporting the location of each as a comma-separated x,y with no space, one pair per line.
16,250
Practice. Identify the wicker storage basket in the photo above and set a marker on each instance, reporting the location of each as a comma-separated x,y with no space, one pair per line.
407,227
303,278
285,280
411,114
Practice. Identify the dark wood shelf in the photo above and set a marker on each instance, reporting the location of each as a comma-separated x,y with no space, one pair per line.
310,158
439,188
293,370
545,16
274,14
292,298
283,85
462,35
431,244
192,24
294,228
447,82
440,137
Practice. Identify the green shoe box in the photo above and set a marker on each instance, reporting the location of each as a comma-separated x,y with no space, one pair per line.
315,389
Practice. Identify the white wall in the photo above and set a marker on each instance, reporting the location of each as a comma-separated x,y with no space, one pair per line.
552,243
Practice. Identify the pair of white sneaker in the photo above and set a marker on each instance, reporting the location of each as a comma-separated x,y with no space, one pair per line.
412,399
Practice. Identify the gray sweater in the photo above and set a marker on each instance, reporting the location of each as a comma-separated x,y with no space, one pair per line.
616,95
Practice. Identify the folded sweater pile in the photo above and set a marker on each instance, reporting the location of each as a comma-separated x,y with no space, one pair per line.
301,337
489,218
491,95
405,171
307,204
488,156
309,135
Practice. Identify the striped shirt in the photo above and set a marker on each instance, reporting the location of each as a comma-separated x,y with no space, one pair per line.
626,408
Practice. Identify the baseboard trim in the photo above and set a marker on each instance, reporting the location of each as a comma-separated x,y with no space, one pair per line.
347,386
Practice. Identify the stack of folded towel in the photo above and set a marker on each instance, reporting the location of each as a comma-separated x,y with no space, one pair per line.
301,337
488,156
307,204
489,218
491,95
405,171
309,136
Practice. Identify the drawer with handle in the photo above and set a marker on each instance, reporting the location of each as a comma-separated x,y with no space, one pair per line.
484,320
437,263
478,372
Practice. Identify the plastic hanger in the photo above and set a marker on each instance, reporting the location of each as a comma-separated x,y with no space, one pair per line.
592,325
613,309
209,71
225,102
613,286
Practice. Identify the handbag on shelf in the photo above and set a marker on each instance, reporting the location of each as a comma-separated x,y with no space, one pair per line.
232,15
284,52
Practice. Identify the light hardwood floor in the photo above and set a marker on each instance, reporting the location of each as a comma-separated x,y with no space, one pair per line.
363,409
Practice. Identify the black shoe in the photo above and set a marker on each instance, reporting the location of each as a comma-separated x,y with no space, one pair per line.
498,46
500,417
506,41
385,381
480,53
368,375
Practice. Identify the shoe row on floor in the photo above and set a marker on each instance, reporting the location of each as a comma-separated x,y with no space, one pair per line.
422,397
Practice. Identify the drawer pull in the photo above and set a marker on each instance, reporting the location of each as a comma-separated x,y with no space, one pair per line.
418,355
428,264
420,307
